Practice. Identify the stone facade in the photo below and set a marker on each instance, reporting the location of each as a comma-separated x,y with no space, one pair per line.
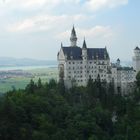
78,64
136,59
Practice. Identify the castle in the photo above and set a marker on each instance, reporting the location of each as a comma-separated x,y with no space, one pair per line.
78,64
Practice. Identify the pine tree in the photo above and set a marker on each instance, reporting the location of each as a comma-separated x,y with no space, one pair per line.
39,83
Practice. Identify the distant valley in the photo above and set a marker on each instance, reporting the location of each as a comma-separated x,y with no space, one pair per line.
8,61
18,72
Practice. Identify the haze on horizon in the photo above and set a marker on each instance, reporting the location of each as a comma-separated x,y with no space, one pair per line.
36,28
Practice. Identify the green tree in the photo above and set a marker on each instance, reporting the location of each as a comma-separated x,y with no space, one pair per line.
31,87
39,83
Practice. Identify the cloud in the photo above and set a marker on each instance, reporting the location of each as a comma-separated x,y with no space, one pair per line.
97,31
43,22
34,3
99,4
27,3
92,4
77,6
94,32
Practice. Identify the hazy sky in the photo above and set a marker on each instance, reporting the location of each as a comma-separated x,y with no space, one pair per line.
36,28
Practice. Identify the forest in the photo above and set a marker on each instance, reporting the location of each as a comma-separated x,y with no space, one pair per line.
51,112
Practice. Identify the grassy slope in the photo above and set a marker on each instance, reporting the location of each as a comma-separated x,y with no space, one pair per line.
20,82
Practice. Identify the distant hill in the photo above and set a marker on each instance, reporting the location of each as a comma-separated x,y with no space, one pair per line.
125,63
8,61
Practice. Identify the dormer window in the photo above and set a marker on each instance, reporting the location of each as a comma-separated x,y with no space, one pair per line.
71,57
96,56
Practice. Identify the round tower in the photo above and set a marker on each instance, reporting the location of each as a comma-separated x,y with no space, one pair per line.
136,59
73,38
118,63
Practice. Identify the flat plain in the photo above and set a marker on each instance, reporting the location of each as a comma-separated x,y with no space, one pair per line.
20,82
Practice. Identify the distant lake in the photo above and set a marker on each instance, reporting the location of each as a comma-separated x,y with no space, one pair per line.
2,68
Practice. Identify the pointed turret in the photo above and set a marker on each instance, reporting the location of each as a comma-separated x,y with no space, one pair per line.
73,38
84,45
84,50
137,48
73,31
118,63
136,59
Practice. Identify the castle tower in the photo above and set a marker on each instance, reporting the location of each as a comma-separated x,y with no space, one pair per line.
118,63
136,59
73,38
85,62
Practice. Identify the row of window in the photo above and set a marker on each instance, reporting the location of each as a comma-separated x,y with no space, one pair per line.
127,79
81,76
95,71
82,72
95,62
127,76
100,67
102,80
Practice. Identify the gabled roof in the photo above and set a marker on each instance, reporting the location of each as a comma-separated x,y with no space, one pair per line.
75,53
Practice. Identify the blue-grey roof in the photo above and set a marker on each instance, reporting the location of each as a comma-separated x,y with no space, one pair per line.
73,31
118,59
73,52
125,68
93,53
97,53
137,48
84,45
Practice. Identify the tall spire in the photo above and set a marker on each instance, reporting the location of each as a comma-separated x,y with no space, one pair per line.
73,31
73,38
84,45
